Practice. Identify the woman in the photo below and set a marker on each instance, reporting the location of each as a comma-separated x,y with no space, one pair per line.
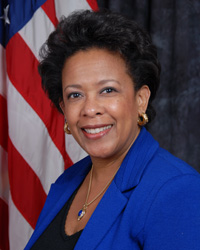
101,71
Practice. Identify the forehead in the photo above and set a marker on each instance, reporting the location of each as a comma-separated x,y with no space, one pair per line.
94,63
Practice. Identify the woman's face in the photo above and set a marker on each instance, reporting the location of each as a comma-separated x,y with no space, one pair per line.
100,104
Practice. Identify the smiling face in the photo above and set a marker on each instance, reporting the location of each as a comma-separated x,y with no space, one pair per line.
100,104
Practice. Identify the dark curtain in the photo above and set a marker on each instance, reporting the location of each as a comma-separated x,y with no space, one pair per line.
174,26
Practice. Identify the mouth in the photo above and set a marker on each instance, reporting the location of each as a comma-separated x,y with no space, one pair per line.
96,130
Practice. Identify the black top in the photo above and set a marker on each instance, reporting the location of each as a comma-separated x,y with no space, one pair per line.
54,237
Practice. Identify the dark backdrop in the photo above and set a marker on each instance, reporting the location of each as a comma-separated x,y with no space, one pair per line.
174,26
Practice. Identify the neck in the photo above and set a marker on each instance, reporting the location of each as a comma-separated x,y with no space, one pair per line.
103,168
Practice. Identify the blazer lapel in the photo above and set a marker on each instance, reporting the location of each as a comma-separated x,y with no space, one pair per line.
102,219
50,210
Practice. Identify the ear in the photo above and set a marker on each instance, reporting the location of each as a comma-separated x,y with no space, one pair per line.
62,106
143,95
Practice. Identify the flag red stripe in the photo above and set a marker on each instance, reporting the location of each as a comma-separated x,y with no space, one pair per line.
26,189
3,123
20,66
93,4
4,242
49,9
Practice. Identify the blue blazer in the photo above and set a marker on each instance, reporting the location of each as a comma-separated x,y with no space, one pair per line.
153,203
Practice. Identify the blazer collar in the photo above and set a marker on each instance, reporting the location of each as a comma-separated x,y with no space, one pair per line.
135,162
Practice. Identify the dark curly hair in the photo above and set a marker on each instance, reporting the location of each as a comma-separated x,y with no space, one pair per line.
86,29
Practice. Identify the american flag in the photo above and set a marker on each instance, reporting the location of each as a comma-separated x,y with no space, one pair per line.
34,150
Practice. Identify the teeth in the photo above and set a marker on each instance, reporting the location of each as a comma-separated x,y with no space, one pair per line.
97,130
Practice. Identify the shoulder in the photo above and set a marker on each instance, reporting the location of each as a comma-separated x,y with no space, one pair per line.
164,166
167,173
172,175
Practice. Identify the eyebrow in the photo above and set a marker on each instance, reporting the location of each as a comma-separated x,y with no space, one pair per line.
107,80
78,86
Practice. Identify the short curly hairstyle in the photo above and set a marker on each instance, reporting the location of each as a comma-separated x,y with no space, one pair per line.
86,29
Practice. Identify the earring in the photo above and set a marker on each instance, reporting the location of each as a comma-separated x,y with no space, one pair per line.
66,129
142,119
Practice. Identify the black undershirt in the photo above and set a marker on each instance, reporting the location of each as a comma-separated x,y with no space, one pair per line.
54,237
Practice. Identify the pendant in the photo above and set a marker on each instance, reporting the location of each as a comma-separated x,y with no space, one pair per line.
81,213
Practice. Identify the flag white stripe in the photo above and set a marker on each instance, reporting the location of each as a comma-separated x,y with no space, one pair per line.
19,230
73,149
30,137
36,31
66,7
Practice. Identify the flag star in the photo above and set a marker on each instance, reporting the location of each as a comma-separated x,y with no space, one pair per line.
5,16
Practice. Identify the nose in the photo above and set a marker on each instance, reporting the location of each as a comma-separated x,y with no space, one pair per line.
92,107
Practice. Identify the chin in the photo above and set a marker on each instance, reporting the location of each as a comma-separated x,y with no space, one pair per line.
104,153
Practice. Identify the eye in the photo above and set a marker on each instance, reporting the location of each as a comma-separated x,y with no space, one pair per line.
74,95
108,90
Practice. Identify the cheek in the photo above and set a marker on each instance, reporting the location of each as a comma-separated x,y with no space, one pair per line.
115,105
115,109
123,107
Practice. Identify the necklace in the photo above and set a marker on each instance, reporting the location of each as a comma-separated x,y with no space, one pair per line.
82,212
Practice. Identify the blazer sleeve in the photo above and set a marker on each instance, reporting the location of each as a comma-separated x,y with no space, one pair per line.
173,220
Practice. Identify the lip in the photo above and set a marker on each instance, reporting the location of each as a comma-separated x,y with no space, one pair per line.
96,131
